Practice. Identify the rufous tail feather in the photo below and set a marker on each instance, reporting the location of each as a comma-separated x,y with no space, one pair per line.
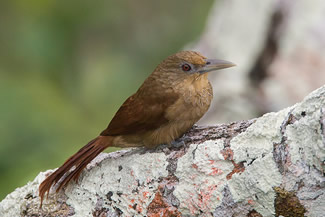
79,160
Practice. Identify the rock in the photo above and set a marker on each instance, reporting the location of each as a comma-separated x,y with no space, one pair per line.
272,165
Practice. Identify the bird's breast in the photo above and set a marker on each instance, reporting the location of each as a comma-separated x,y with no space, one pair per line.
194,101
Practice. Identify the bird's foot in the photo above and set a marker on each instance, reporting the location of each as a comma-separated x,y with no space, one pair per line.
163,146
177,144
173,144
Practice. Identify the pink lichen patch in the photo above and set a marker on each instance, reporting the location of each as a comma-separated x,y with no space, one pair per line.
202,201
227,153
139,208
238,168
145,194
136,207
159,207
136,204
193,209
205,196
138,199
215,171
251,202
195,166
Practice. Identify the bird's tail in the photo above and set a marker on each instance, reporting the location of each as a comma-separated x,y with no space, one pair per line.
79,161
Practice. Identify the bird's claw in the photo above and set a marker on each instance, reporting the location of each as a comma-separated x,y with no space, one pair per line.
177,144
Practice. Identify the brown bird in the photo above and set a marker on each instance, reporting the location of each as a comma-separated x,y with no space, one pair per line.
169,102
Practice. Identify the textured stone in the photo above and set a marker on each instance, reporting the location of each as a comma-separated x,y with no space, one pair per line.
273,165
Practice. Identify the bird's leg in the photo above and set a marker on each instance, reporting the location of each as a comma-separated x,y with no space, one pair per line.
177,143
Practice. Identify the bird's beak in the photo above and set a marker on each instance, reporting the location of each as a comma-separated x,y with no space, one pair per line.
214,64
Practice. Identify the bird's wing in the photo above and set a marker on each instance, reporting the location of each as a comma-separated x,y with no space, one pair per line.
140,114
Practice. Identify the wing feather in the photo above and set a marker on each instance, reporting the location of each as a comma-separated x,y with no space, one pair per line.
140,114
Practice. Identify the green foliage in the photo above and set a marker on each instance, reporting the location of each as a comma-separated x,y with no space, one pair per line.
66,67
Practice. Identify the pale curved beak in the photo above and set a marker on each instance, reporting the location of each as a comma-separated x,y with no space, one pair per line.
214,64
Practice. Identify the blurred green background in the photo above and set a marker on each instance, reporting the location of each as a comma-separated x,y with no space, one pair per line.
67,66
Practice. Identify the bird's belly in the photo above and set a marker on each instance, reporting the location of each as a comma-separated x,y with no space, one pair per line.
167,133
151,139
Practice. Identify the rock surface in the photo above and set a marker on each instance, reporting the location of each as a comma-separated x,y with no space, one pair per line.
270,166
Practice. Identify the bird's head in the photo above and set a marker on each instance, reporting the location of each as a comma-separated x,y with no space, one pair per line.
190,64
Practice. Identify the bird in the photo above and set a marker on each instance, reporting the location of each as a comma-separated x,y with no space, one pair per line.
168,103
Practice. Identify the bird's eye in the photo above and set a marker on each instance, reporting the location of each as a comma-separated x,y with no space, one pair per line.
186,67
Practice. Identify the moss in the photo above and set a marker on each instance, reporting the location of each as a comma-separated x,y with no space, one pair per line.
287,204
253,213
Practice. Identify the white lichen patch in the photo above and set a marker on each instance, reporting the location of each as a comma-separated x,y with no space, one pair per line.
259,138
305,141
254,147
127,183
11,205
317,208
305,138
255,185
202,175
